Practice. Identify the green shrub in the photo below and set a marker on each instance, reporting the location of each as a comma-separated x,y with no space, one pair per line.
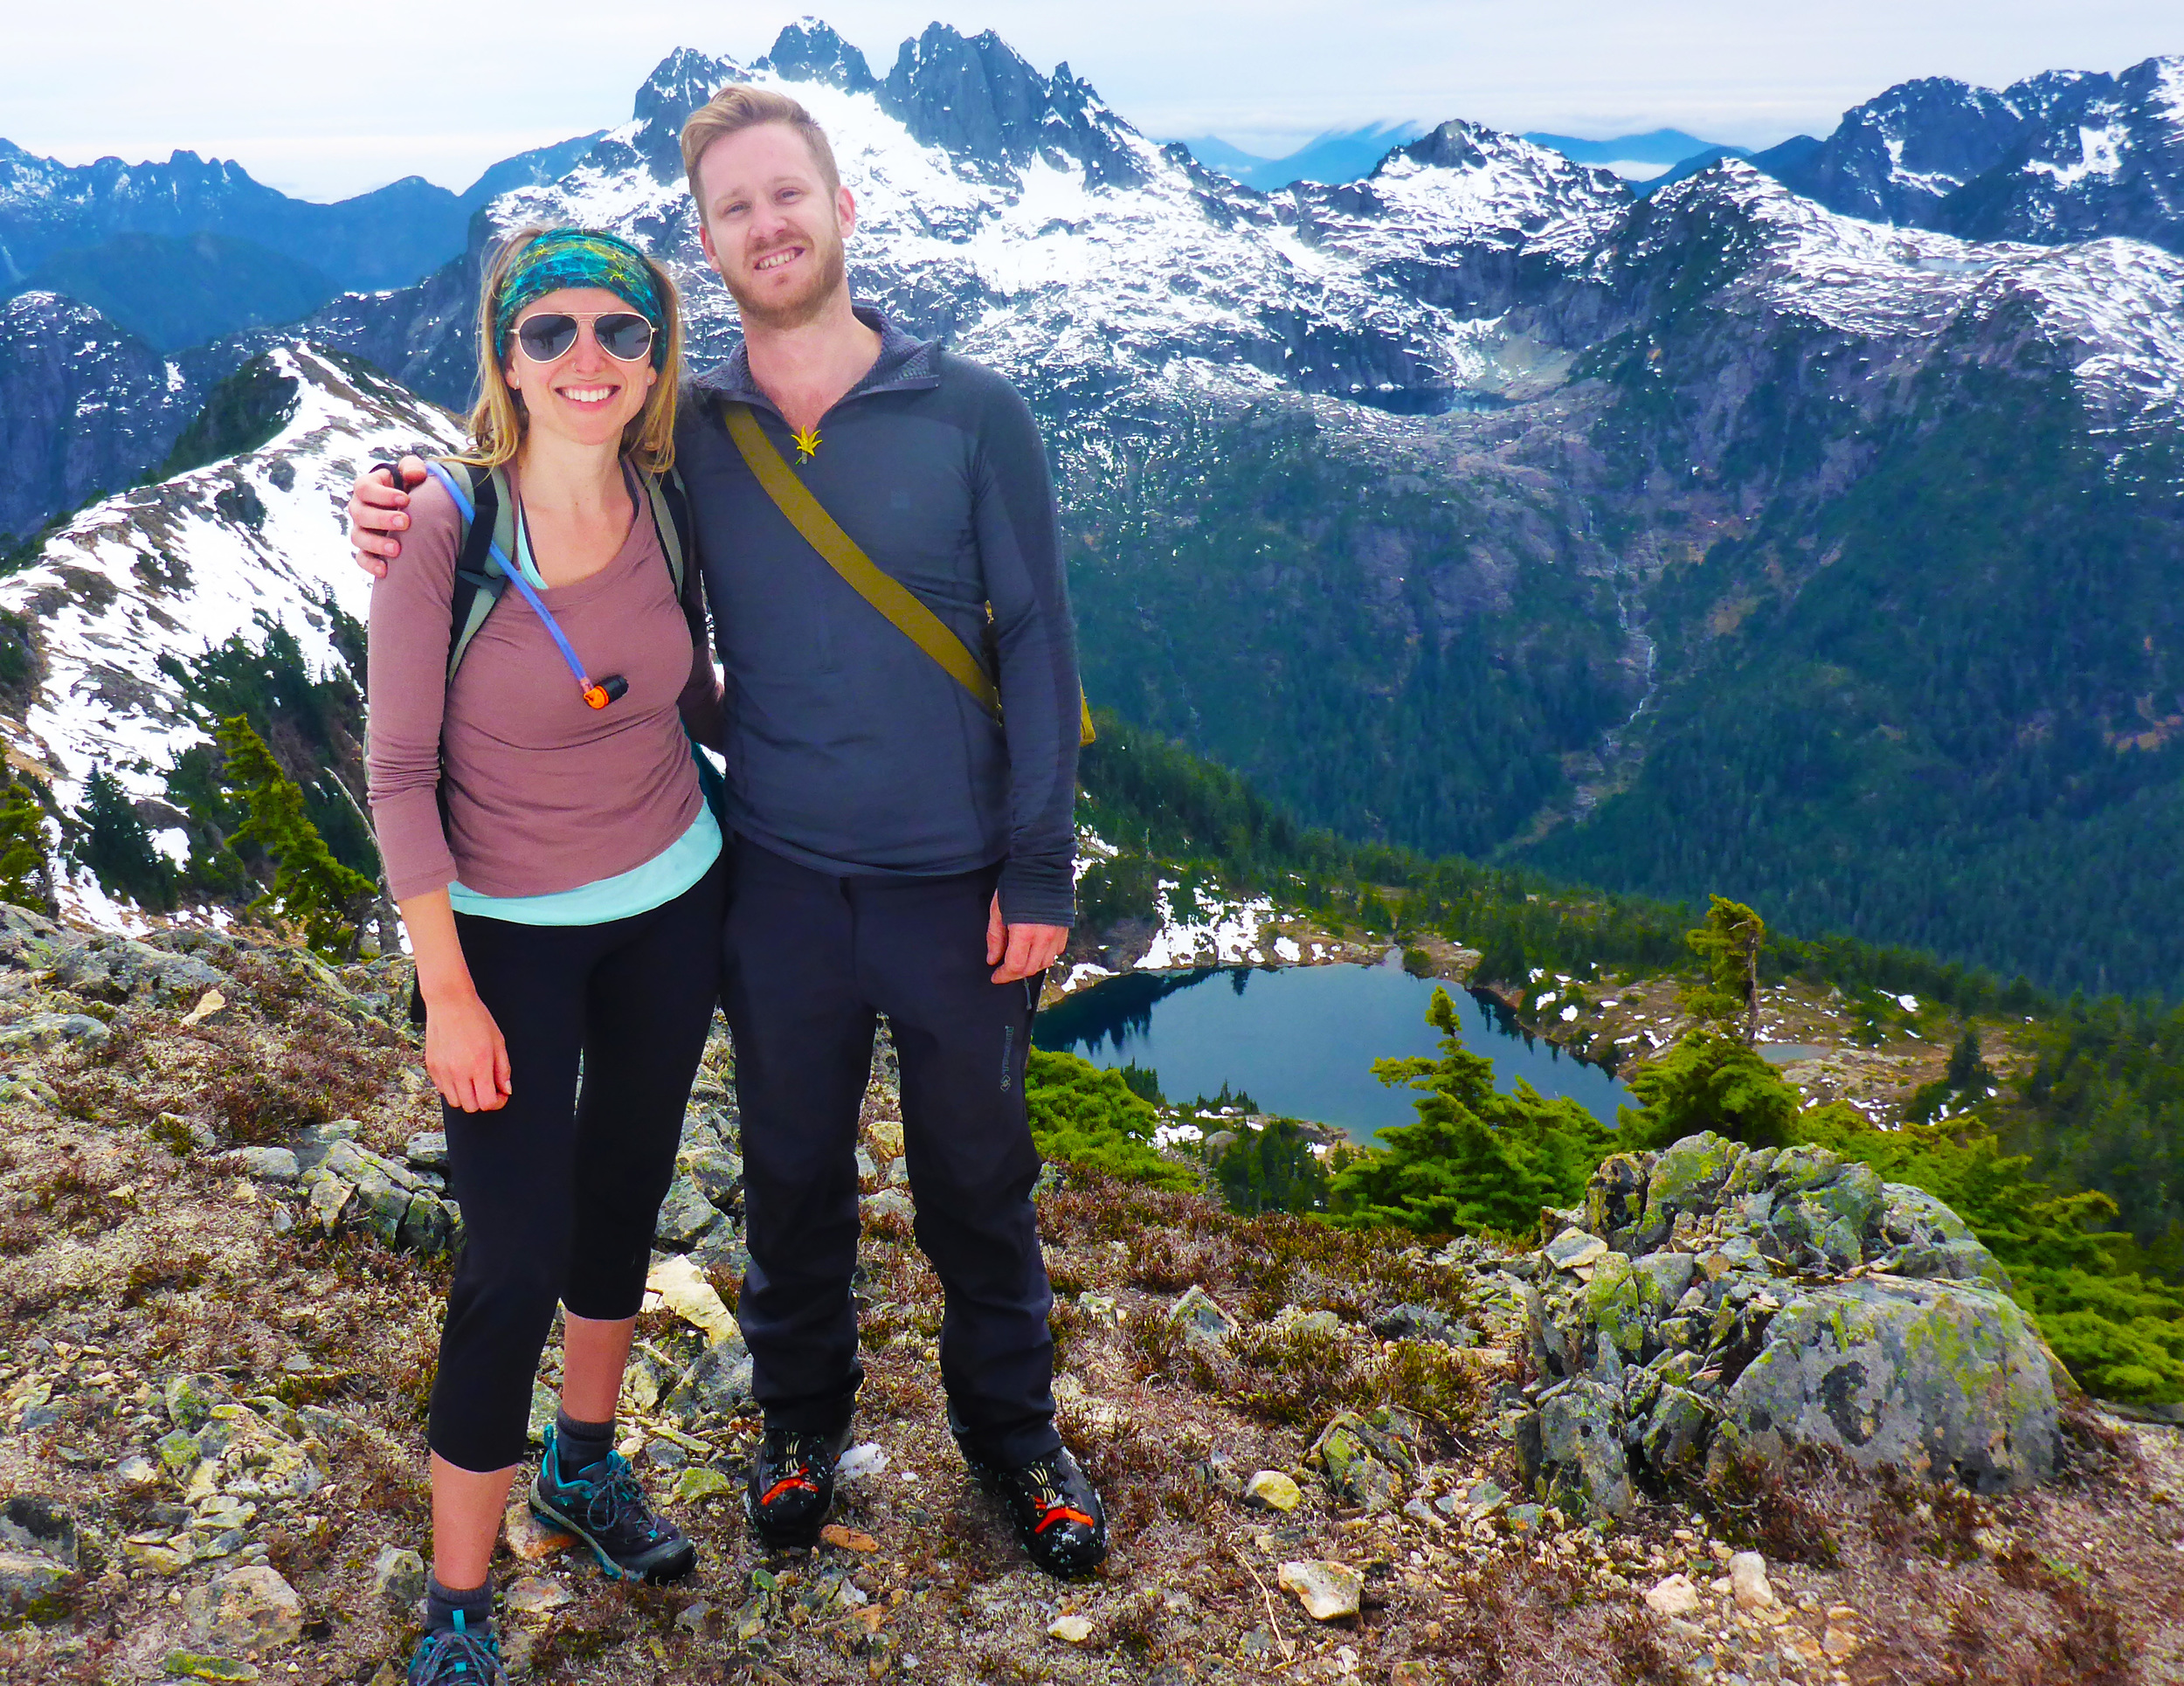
1476,1159
1084,1116
1709,1081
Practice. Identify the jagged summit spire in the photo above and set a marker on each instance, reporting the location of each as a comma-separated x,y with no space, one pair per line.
681,82
810,50
978,98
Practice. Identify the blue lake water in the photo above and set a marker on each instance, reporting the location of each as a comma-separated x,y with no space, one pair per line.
1300,1040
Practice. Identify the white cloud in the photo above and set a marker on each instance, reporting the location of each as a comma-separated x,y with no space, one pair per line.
332,99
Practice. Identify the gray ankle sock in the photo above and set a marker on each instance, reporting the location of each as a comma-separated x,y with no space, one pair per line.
577,1446
441,1603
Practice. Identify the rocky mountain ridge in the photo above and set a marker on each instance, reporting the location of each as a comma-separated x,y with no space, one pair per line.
250,543
87,407
2063,156
386,238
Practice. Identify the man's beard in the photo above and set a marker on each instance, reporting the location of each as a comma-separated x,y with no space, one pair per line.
807,306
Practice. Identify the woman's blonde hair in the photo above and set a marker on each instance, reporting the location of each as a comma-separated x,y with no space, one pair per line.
497,420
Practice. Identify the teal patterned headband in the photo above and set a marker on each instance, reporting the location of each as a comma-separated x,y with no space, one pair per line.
580,256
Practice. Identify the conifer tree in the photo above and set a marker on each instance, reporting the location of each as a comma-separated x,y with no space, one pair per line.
1475,1158
310,887
1729,942
118,849
26,876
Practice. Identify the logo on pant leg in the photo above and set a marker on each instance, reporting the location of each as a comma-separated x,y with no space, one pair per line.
1008,1061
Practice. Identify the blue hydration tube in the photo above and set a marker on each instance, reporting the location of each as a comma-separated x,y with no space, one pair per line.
598,696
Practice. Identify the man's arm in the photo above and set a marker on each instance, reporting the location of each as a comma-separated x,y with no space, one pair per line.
379,509
1019,552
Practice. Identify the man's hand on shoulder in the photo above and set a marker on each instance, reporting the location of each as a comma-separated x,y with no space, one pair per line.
379,509
1022,952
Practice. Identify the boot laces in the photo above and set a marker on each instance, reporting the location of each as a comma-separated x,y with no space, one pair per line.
804,1457
615,1496
455,1653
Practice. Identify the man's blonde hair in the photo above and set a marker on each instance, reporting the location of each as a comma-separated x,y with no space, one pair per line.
736,108
497,420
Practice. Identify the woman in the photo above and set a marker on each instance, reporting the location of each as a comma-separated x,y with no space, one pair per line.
559,873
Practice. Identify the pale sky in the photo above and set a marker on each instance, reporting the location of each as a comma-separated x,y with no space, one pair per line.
323,100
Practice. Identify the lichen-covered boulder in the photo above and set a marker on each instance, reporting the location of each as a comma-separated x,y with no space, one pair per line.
1570,1451
717,1384
1675,1429
1201,1320
685,1213
1914,1234
1687,1177
1944,1379
1615,1199
351,1187
1759,1298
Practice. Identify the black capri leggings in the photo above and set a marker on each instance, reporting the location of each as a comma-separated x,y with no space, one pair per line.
560,1190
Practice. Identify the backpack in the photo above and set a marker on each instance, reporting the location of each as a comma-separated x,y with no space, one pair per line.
483,570
482,565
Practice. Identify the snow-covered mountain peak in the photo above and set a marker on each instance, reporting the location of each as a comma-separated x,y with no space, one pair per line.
810,50
1017,214
174,568
979,99
2062,156
1467,184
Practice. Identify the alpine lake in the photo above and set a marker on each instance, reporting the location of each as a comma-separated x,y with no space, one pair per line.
1300,1040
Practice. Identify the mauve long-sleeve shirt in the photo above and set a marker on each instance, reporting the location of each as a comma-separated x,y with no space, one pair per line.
544,793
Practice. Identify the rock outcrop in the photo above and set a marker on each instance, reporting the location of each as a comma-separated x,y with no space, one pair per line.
1710,1300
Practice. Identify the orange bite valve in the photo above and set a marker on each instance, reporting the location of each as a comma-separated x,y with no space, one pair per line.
605,691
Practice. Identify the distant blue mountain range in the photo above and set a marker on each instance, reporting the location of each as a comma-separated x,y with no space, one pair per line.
1339,155
184,251
1660,146
1347,155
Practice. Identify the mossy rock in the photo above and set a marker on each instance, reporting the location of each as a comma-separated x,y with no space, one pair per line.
1346,1456
1946,1379
1615,1196
1619,1303
1570,1452
1690,1177
1675,1430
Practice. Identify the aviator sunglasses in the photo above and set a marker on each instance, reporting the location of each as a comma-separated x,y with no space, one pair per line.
623,335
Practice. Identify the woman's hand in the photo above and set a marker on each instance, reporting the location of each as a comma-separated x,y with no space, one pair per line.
465,1054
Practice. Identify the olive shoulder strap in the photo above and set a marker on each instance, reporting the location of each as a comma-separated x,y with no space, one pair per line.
872,582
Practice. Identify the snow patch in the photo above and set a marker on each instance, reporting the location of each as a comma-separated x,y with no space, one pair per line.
2100,152
1228,937
1085,971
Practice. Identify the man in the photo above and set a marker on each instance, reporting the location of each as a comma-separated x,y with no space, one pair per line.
899,850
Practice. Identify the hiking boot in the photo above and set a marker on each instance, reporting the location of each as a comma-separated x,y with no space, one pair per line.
458,1656
1057,1517
607,1510
792,1485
